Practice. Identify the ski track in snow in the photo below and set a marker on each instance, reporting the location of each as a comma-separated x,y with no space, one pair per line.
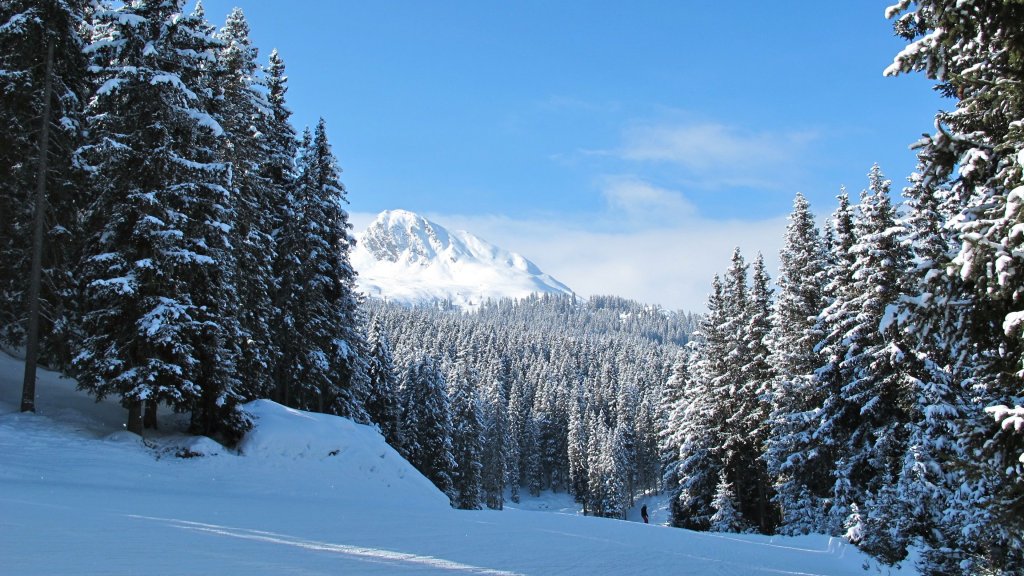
370,554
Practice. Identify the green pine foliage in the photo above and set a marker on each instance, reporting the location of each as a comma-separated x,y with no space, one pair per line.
173,172
26,28
322,365
241,110
570,394
158,324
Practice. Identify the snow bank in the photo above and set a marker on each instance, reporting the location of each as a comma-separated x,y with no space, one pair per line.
335,445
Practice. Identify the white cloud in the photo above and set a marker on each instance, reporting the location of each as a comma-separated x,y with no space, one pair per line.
644,203
713,154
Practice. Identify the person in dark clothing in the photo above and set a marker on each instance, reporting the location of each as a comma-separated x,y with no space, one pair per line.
643,513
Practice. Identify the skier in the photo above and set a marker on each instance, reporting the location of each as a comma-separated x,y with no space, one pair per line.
643,513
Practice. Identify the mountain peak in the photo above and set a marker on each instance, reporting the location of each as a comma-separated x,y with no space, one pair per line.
403,256
400,235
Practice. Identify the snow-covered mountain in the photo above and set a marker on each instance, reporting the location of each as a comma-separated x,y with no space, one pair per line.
404,257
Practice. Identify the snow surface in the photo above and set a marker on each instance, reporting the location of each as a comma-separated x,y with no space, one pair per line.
404,257
307,494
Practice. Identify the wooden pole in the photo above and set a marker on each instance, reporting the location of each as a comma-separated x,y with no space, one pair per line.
28,389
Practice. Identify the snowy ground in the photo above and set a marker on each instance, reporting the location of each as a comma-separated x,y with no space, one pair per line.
80,496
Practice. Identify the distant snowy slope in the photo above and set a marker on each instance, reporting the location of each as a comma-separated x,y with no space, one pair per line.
404,257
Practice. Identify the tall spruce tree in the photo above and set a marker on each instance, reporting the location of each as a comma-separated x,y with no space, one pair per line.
934,505
383,404
323,359
739,385
974,165
670,439
818,440
242,110
699,426
158,269
467,436
577,449
496,434
798,483
878,385
801,286
862,415
279,174
753,406
427,423
40,46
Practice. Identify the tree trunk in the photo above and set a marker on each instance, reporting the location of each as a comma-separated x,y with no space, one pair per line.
28,388
135,417
149,418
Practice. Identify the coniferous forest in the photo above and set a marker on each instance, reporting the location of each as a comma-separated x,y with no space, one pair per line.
169,239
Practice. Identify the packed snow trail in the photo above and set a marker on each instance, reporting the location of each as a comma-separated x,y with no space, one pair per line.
79,496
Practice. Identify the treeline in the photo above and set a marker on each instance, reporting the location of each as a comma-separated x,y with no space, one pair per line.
877,393
196,248
546,393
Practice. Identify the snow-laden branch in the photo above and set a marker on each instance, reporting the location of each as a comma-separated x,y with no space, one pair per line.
1009,419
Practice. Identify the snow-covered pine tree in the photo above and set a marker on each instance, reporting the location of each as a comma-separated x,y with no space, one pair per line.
670,440
864,416
427,423
727,517
382,401
519,418
323,357
160,297
532,474
242,110
933,504
801,287
279,172
606,478
699,429
577,448
648,427
815,440
496,434
739,389
626,449
623,448
883,371
798,483
974,164
467,435
753,409
551,421
27,29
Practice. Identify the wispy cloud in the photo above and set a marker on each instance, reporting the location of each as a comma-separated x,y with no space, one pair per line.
643,203
713,154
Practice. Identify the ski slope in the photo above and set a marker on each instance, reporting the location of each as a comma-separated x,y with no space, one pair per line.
306,495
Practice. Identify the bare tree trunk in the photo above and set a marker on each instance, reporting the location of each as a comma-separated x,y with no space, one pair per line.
135,417
28,388
149,417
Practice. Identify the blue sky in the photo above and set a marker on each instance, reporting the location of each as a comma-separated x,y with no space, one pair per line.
625,147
